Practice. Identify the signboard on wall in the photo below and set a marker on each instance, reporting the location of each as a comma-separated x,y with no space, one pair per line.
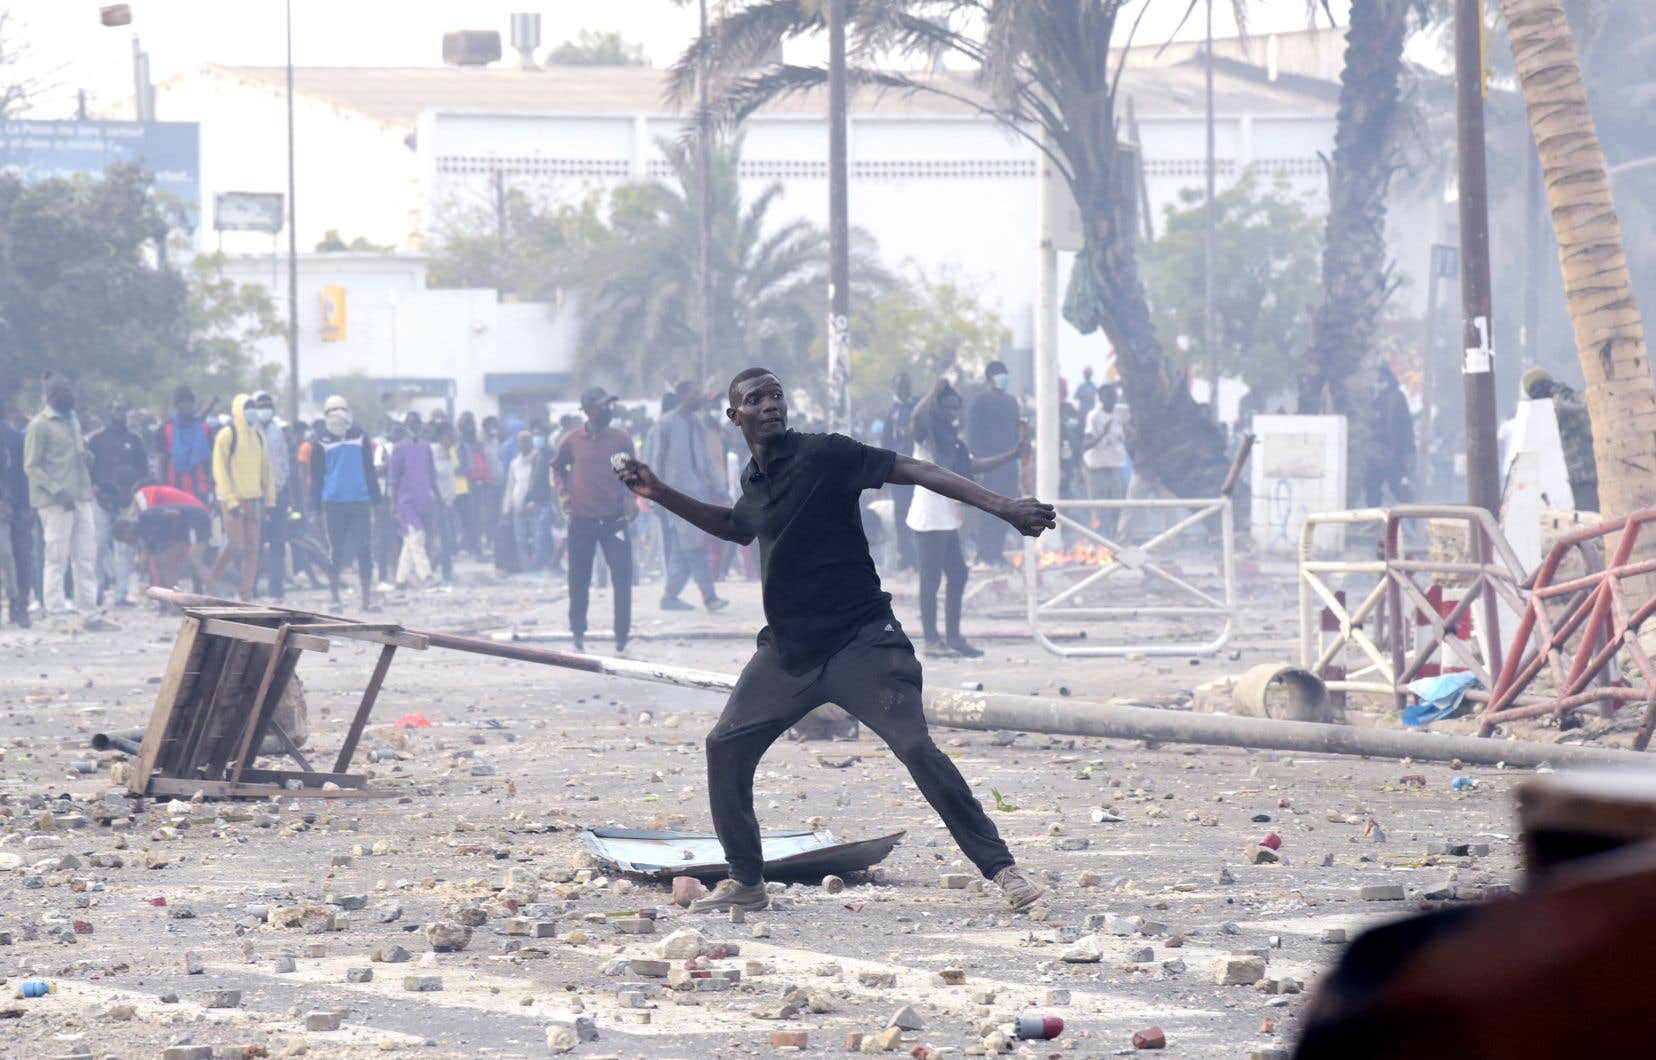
247,211
170,150
333,313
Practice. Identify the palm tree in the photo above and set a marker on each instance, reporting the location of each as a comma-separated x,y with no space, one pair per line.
641,292
1356,275
1609,334
1045,69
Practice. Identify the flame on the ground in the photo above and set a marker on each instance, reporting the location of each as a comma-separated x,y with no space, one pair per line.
1081,554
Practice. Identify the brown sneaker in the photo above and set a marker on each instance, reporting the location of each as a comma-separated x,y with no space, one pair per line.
1021,892
733,894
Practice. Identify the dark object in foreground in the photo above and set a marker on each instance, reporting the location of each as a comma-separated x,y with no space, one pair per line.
791,855
1561,969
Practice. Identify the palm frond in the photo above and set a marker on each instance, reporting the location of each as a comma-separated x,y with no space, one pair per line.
741,40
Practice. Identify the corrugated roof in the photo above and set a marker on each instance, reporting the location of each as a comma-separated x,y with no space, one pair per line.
397,95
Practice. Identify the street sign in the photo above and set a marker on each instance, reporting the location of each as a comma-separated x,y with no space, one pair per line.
248,211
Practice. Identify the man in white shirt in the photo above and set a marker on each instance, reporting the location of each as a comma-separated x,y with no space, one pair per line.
1104,452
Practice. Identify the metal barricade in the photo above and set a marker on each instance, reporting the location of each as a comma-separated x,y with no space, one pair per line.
1117,558
1399,605
1594,625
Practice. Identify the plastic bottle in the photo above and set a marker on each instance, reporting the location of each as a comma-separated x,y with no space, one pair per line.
1463,783
36,988
1039,1028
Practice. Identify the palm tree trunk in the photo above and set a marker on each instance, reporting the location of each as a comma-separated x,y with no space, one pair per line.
1345,327
1621,394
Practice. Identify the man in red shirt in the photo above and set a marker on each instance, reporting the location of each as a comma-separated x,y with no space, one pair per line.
171,528
599,508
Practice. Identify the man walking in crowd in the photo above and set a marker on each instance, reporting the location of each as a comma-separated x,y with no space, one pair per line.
685,467
345,489
1086,395
261,413
515,510
186,448
22,524
1391,450
442,517
12,497
1104,452
60,490
897,435
936,520
992,427
241,478
119,463
542,515
830,635
412,477
599,509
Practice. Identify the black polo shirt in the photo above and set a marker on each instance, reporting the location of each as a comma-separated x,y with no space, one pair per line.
820,585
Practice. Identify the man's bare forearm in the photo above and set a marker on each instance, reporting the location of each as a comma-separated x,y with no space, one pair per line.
710,518
927,475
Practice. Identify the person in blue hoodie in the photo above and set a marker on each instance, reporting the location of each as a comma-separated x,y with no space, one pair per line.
345,489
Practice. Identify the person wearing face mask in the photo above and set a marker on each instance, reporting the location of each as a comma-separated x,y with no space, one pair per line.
345,489
273,547
936,520
992,426
599,508
60,490
241,478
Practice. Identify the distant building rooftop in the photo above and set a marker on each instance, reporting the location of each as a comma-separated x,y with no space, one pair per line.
396,96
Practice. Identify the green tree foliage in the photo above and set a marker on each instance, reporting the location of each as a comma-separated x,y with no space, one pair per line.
225,320
81,293
593,47
531,251
1267,256
925,328
84,293
333,243
641,293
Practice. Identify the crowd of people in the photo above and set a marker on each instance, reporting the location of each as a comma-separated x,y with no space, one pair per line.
97,504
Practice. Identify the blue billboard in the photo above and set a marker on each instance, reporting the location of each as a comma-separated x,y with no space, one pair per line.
171,150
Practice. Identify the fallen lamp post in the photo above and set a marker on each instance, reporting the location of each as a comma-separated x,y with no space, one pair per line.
995,712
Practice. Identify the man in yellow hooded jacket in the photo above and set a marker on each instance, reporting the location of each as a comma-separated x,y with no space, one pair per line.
242,480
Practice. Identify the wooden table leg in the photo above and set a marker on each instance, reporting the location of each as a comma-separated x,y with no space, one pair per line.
371,693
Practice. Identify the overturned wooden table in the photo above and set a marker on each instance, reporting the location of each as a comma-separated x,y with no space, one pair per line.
230,668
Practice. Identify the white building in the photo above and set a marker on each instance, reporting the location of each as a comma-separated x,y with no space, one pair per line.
386,154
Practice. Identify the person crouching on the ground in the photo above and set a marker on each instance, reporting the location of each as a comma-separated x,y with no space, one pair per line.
830,635
345,489
170,528
936,520
598,508
241,478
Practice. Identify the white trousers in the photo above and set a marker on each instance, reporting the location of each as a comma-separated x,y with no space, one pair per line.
413,560
71,538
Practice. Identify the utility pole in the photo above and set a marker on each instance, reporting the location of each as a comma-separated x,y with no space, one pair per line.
503,270
839,232
293,241
704,165
1210,326
1483,476
1532,247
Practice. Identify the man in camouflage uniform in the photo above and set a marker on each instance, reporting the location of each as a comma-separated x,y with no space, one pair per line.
1575,431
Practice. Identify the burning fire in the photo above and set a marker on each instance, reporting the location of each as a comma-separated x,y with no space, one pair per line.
1082,554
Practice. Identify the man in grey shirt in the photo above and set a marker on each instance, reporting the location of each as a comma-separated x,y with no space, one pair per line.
684,464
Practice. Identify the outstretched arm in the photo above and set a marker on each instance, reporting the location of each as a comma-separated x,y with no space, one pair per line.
1027,515
714,519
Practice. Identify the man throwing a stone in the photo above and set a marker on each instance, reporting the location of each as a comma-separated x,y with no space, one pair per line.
831,636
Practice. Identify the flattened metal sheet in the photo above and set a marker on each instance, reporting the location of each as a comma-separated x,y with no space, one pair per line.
663,855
